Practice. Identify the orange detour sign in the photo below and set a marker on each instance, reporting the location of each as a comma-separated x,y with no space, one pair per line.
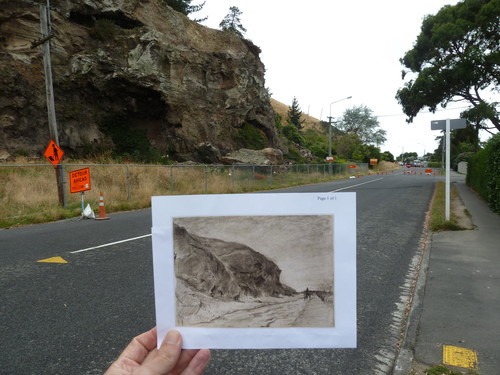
79,180
373,161
53,153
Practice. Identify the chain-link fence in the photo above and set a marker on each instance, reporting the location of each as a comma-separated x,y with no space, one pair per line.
26,188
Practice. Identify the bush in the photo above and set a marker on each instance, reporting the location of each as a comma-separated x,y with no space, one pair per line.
251,137
294,154
127,142
483,172
434,164
293,134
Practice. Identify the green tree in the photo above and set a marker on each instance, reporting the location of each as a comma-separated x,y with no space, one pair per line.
295,114
185,7
461,141
317,142
346,145
387,156
456,57
360,120
232,22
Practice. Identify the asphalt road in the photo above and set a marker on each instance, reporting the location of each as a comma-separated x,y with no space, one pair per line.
75,318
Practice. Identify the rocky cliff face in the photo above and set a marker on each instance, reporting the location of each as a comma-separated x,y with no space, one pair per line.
131,63
225,269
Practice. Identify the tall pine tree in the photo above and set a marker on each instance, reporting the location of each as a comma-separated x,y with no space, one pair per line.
232,22
295,114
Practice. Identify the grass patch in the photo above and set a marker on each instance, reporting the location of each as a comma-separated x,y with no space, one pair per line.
438,220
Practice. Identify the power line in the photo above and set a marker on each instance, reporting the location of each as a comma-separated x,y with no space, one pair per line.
437,110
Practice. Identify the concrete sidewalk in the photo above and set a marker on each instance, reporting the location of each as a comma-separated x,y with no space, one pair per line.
460,305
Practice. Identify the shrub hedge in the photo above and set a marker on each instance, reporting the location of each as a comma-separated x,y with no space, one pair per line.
483,172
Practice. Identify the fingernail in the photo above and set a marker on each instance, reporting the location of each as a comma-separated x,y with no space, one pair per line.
173,337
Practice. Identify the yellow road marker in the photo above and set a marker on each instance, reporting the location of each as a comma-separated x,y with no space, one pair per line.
52,260
460,357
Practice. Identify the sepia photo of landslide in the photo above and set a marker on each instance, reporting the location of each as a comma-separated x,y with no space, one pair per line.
254,271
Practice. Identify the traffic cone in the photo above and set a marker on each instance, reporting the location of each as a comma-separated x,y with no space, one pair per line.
102,210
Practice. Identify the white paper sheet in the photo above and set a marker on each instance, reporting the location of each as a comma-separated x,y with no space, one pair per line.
256,271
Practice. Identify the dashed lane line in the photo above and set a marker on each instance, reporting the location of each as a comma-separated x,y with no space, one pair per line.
363,183
109,244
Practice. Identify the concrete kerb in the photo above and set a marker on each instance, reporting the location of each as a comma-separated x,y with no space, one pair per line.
405,358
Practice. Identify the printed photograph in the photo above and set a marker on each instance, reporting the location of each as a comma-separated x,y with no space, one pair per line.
254,271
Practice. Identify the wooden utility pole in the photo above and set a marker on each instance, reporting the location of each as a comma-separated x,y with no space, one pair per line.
45,29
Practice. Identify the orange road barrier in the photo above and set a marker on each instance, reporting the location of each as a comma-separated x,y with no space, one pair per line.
102,209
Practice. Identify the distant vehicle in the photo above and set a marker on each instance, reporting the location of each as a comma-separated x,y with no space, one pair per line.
408,165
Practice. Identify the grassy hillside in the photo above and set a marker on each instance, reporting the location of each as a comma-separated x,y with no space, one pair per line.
282,110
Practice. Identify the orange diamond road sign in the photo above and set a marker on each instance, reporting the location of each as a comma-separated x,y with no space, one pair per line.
79,180
53,153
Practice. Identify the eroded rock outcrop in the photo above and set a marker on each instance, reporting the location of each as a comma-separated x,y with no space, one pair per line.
267,156
181,83
223,269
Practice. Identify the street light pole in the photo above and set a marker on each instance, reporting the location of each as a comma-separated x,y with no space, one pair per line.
330,125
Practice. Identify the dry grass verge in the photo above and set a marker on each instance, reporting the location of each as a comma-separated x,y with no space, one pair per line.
28,192
459,217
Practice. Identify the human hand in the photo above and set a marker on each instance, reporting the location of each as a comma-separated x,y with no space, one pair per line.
141,357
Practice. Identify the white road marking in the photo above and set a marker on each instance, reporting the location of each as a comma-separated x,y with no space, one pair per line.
149,235
363,183
110,244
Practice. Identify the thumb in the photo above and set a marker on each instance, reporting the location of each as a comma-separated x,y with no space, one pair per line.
165,359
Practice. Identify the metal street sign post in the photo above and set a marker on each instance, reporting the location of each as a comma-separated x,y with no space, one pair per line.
448,125
54,155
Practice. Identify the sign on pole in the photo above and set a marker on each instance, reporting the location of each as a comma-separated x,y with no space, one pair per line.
79,180
53,153
448,125
458,123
